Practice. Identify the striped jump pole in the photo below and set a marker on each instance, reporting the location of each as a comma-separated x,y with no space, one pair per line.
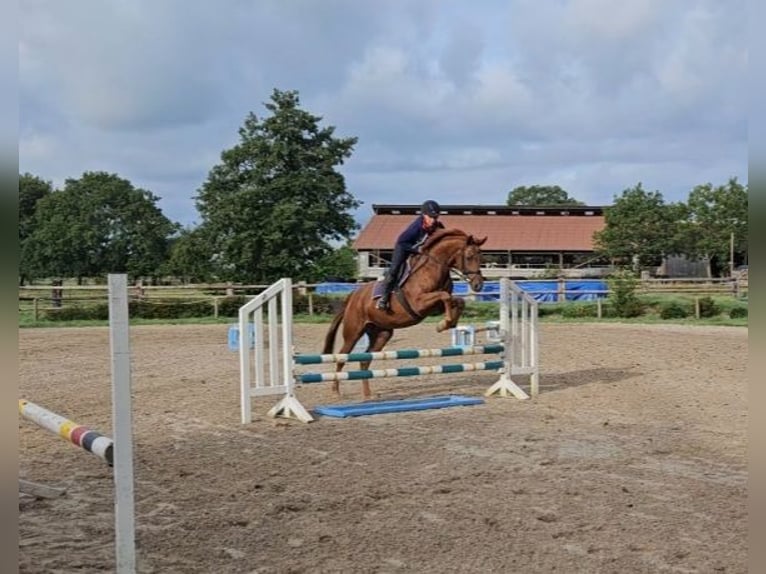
88,439
399,372
399,354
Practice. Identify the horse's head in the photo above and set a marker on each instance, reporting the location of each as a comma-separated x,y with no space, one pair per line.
458,250
470,262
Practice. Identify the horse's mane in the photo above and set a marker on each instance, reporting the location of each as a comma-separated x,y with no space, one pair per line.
441,234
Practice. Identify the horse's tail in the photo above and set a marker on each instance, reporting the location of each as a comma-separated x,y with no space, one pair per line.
329,340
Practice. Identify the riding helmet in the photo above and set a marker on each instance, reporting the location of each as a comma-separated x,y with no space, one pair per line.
431,208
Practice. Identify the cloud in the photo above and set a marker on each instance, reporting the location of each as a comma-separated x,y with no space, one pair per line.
461,56
448,97
114,68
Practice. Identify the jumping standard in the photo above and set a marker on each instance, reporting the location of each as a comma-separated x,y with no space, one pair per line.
271,366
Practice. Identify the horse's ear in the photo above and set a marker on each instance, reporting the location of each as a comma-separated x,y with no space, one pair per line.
478,242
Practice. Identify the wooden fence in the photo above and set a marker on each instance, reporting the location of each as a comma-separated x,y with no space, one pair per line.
736,286
36,299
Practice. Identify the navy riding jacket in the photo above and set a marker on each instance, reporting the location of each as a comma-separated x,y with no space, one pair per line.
415,235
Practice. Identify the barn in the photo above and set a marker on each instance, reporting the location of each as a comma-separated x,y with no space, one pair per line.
523,242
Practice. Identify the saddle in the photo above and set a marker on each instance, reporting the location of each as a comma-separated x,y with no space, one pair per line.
404,274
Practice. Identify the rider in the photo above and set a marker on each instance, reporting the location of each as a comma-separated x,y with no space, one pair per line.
410,241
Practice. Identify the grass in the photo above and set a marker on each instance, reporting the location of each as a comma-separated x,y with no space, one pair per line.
650,320
577,312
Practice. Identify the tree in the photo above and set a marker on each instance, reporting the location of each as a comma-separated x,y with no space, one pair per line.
275,202
338,265
715,214
98,224
623,284
32,189
639,228
190,257
540,195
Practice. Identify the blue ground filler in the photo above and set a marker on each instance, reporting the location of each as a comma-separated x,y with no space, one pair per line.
396,406
234,336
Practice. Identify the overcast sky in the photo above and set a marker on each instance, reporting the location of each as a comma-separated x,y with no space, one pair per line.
451,100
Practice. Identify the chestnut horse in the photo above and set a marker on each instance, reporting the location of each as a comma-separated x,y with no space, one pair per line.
426,291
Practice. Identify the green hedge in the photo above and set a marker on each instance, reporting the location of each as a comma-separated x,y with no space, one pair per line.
708,307
136,309
78,313
674,311
229,306
738,313
184,309
579,310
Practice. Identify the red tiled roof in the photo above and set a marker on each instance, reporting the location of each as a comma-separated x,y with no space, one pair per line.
504,232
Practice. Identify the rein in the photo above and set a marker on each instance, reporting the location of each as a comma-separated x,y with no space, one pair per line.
462,272
424,258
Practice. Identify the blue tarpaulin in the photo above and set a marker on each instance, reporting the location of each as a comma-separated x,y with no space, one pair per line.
541,291
335,288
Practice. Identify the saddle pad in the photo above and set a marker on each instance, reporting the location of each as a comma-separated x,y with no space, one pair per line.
377,288
397,406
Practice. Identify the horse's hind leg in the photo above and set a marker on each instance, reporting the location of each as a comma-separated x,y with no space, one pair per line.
378,339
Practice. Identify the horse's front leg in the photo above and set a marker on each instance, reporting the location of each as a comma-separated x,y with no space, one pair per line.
453,307
458,306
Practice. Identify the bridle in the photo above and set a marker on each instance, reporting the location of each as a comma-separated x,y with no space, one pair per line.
426,256
466,275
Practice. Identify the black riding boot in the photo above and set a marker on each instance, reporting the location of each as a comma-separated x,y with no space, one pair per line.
384,303
397,260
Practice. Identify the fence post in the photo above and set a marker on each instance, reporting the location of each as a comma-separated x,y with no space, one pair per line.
304,291
36,304
598,308
561,290
57,294
215,306
697,307
139,289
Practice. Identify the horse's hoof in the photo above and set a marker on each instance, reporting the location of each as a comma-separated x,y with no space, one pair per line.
441,326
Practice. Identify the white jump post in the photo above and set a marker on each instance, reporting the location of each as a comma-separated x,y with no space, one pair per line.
280,380
119,340
518,330
116,452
